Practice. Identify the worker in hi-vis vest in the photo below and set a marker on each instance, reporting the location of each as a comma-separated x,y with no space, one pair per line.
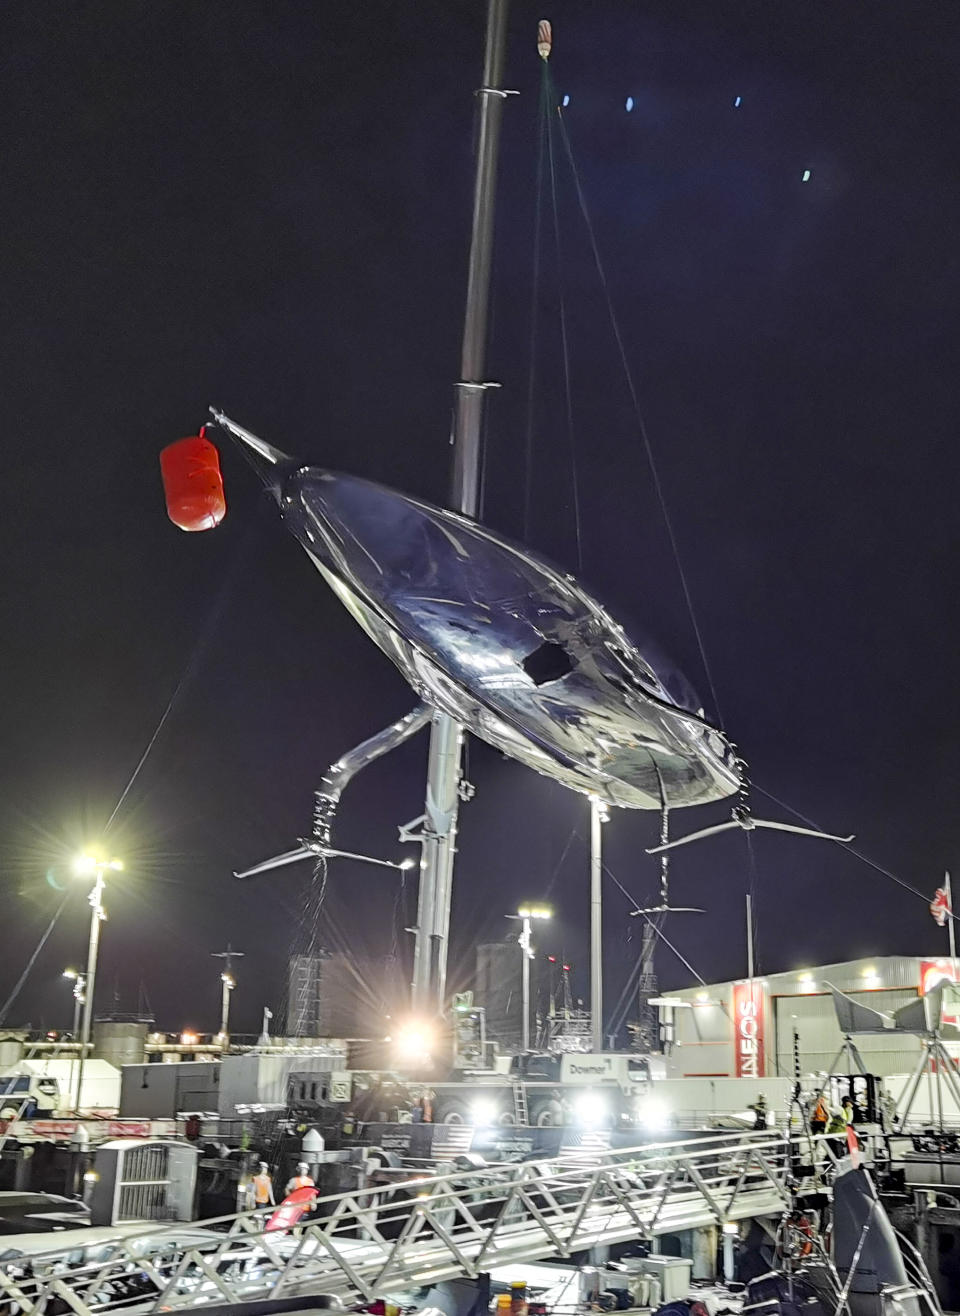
262,1186
301,1179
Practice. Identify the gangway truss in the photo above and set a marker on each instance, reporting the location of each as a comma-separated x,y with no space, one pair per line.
386,1239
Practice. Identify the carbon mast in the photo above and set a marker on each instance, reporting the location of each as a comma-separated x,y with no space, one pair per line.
438,825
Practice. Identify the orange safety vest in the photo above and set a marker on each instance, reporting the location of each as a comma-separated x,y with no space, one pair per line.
261,1189
300,1181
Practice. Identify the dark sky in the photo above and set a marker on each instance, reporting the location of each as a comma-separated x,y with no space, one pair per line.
266,206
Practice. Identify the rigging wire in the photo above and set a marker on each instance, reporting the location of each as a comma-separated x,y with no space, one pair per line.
574,836
199,650
846,845
634,397
564,337
33,958
662,935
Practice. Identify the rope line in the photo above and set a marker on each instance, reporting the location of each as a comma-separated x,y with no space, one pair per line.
199,649
564,340
848,846
33,958
634,397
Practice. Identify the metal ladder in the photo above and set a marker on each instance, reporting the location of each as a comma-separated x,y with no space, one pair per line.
520,1113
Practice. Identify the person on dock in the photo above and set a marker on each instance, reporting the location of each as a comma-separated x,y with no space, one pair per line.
819,1116
301,1179
262,1187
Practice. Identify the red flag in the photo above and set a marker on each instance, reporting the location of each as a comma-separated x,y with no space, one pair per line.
940,906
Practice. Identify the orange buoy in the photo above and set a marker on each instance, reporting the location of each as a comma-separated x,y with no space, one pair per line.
193,484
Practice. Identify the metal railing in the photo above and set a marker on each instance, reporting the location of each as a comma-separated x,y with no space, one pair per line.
380,1240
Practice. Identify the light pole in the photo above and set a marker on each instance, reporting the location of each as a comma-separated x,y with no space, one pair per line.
598,816
526,914
228,982
79,996
88,865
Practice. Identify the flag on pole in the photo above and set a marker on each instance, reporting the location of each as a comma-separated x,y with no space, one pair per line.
940,906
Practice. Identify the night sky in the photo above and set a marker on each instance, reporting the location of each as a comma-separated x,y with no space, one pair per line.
266,206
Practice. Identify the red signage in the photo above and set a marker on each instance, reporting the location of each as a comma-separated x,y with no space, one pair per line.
932,974
748,1029
54,1128
129,1129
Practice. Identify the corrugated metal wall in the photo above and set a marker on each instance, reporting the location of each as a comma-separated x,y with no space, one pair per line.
815,1021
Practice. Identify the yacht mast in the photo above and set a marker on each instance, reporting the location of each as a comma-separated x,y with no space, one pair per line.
438,838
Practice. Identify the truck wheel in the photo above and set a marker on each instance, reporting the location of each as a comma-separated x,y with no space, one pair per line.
506,1119
451,1112
385,1159
548,1115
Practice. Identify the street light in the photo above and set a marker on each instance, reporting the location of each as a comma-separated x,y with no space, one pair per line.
89,865
227,984
79,996
526,914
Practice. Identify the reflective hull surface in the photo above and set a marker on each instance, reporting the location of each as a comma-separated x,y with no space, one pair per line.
502,641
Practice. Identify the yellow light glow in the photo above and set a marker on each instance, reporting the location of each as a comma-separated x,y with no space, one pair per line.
189,1039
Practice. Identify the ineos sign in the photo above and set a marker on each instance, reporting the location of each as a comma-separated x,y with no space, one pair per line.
748,1029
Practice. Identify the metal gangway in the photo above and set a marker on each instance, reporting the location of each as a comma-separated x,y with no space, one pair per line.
390,1238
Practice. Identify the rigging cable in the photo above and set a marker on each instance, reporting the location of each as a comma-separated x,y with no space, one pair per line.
641,424
660,933
846,845
564,338
199,649
574,836
33,958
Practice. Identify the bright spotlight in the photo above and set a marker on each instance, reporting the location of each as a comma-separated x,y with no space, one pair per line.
653,1114
407,864
483,1112
84,865
590,1110
413,1041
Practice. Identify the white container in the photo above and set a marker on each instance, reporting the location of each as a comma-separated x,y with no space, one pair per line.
673,1274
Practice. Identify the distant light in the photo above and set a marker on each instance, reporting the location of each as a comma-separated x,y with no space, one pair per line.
736,103
806,176
653,1114
189,1039
629,105
483,1112
565,102
405,864
590,1109
702,997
